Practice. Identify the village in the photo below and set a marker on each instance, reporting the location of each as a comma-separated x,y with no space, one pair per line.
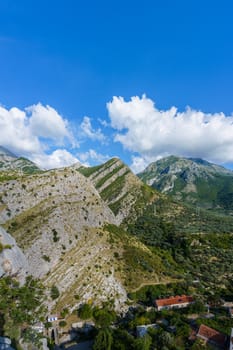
179,320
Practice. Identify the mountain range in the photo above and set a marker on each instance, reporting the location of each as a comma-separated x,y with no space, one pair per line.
99,233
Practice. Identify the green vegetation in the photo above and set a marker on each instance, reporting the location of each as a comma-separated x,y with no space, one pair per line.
54,292
88,171
4,246
109,175
55,235
114,189
7,177
196,182
103,340
85,311
20,306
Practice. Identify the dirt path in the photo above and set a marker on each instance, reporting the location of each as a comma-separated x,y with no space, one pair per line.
153,284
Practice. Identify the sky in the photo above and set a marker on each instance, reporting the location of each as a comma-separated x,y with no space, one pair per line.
140,80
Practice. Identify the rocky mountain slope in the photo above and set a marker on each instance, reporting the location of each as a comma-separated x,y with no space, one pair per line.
95,233
194,181
121,190
12,164
12,260
65,224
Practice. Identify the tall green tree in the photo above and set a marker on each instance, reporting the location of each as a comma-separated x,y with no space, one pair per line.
103,340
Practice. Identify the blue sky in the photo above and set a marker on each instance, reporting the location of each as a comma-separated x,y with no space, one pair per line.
62,62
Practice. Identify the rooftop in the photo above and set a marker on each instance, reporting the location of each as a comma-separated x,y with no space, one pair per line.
211,335
176,300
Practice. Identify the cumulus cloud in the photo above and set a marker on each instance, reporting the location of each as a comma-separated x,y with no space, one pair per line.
154,133
46,122
91,155
33,132
57,159
89,132
139,164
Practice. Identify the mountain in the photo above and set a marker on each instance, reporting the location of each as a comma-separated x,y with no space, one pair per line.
12,164
65,224
99,233
192,180
121,190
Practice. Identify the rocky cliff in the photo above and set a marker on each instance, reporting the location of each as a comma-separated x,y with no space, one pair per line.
13,262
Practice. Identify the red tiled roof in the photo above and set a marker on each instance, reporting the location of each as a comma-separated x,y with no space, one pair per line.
211,335
179,299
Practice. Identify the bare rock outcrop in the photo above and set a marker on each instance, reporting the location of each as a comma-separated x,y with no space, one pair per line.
13,262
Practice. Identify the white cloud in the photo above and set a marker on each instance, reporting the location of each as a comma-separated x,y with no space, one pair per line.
153,133
33,131
57,159
89,132
139,164
91,155
15,132
46,122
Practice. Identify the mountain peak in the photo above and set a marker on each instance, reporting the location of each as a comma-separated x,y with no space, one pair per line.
11,163
5,152
192,180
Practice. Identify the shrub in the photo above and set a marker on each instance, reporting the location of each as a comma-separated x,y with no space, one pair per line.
54,292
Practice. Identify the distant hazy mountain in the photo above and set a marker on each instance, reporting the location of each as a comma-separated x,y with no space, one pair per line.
192,180
10,162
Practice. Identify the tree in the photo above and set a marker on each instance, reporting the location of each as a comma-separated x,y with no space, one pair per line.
104,317
85,311
103,340
54,292
122,340
143,343
62,323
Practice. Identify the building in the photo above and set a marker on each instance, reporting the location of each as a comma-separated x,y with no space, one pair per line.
178,301
231,340
213,337
231,311
52,318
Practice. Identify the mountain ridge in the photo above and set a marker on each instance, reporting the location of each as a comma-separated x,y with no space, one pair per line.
14,165
192,180
97,233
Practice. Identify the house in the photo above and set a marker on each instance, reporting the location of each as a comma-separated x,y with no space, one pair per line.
213,337
178,301
231,311
231,340
52,318
142,330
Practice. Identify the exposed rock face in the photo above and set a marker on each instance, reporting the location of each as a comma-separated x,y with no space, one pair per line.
47,213
13,262
117,185
57,218
61,220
